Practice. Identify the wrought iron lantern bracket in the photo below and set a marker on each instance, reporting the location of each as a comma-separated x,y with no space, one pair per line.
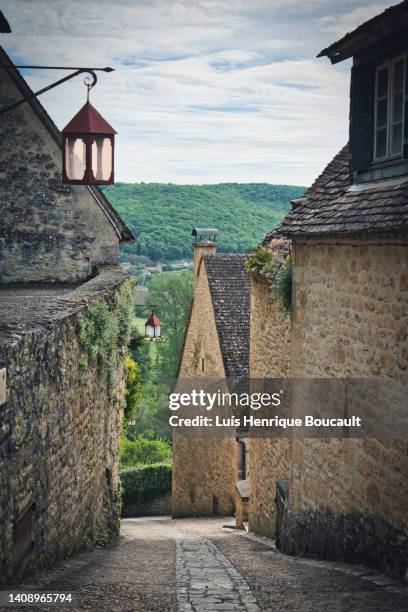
90,81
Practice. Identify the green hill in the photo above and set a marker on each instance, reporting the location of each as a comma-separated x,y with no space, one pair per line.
163,215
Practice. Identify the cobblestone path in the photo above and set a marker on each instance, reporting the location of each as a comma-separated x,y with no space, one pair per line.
196,565
207,581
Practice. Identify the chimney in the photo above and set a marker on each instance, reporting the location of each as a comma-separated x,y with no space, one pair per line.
204,244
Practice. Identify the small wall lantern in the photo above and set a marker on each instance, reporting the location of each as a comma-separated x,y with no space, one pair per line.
88,147
88,140
153,327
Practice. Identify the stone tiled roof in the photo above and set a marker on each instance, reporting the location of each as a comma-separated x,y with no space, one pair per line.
229,285
333,206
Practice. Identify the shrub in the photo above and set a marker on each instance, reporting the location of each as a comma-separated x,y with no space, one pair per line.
144,452
124,311
105,332
282,286
98,336
144,484
133,389
275,266
260,261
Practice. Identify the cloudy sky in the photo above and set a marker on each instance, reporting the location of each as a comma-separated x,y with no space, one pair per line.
204,91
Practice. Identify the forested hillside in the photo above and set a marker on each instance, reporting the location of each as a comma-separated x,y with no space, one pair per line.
163,215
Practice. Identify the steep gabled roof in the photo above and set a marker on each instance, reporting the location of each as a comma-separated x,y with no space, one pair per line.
229,285
371,32
334,205
124,233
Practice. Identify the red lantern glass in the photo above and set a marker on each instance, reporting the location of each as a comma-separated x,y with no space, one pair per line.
153,327
88,143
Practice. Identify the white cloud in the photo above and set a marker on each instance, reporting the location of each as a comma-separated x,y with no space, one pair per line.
204,90
346,22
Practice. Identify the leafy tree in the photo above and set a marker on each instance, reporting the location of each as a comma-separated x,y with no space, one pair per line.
133,389
162,216
152,419
140,351
171,292
143,451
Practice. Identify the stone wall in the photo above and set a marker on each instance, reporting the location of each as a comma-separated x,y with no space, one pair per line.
348,498
48,232
60,428
204,471
269,358
269,355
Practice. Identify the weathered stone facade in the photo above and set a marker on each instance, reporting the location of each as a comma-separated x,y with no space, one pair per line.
204,471
60,428
61,411
341,497
201,352
49,232
347,498
269,357
354,291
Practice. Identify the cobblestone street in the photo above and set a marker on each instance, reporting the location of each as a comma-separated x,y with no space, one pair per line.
198,565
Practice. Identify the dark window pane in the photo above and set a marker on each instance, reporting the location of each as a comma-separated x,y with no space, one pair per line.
397,107
396,139
381,145
406,77
382,110
382,89
399,75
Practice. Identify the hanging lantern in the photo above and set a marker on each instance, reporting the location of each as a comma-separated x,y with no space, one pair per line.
88,145
153,327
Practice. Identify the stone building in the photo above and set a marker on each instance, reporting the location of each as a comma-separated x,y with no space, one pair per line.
345,498
269,359
216,348
49,232
62,298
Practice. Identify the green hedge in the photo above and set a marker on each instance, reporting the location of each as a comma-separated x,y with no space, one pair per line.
140,452
144,484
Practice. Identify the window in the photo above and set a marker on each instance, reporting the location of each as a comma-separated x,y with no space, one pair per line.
102,158
389,110
75,151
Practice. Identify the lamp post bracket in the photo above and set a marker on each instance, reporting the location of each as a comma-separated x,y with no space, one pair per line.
91,71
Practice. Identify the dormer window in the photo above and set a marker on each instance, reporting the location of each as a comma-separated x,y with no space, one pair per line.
378,95
389,110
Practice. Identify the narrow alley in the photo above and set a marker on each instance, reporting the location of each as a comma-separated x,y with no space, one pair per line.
199,565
